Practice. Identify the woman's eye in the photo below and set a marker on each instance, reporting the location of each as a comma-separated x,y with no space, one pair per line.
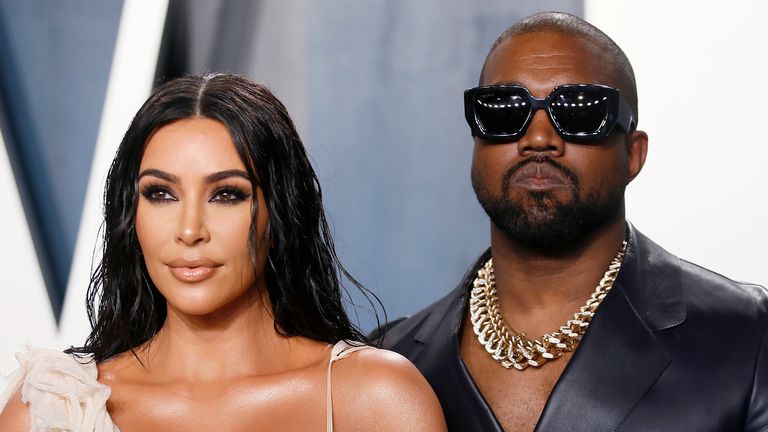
155,194
160,196
229,196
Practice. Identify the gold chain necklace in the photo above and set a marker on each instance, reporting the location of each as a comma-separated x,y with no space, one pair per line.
516,350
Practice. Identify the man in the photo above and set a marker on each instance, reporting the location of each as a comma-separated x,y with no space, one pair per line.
579,322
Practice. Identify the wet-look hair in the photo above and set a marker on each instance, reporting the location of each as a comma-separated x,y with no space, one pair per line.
303,273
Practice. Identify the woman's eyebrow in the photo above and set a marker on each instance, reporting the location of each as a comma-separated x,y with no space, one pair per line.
221,175
159,174
210,178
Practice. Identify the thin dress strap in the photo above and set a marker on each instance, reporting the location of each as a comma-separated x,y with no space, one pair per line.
341,350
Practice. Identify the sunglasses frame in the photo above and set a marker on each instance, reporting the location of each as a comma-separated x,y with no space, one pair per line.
619,112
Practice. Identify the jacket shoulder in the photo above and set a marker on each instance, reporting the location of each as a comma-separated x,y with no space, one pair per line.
407,330
704,287
667,290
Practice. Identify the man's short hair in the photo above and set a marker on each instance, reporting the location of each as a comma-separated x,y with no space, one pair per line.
571,25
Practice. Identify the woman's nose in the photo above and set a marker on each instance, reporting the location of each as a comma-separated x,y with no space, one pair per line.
192,228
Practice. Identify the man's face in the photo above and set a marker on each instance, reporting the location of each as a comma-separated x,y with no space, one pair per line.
541,191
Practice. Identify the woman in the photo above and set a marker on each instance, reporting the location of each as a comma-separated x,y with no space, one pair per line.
216,305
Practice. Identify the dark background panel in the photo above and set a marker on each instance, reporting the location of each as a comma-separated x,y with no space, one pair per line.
55,61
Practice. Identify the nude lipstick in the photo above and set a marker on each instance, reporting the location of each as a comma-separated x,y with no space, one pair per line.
193,270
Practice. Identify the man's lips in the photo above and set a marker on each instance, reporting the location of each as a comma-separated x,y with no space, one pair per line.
193,270
538,176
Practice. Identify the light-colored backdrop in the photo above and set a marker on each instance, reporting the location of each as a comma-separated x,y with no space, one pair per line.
378,101
701,70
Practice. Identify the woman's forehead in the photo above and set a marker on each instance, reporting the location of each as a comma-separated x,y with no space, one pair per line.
197,144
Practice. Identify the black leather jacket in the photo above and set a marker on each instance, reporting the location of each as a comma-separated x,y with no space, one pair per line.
673,347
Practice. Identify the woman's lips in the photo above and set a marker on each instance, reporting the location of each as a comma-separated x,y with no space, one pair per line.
193,270
538,176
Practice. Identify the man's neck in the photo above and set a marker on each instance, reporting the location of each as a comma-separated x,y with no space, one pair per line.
528,280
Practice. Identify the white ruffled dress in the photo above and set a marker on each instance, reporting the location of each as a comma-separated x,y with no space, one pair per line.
63,393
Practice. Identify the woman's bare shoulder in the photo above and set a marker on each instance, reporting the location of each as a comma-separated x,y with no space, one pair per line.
15,415
122,367
379,390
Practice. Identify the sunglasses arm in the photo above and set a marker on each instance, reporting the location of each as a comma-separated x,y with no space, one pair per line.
626,116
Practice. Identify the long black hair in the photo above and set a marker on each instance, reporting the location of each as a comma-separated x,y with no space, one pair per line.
302,270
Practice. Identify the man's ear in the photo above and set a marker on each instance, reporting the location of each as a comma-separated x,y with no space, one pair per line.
637,149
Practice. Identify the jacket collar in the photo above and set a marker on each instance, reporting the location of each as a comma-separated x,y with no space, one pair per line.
463,405
649,278
445,318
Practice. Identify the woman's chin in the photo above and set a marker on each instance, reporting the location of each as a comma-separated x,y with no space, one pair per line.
209,304
198,306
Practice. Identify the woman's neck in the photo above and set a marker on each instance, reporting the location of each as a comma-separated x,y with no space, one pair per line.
237,340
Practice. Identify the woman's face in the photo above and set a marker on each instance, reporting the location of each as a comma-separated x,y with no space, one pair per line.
194,216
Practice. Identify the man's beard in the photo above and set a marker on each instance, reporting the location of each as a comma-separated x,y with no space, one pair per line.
542,222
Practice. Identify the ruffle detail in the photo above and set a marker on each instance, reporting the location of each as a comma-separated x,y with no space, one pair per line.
62,392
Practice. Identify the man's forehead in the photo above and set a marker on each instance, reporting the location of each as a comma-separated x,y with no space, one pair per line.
548,59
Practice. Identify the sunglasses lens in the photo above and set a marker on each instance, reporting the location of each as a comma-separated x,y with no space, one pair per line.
581,111
500,112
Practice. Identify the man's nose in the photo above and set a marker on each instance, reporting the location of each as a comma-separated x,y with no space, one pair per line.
541,137
192,228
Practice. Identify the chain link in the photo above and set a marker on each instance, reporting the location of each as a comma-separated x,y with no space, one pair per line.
514,350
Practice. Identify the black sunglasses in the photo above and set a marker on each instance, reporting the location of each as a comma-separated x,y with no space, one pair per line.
578,112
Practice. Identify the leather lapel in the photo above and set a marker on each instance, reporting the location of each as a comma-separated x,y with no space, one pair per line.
616,363
653,282
619,358
464,407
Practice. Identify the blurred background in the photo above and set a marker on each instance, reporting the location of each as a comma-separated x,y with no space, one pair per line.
375,88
